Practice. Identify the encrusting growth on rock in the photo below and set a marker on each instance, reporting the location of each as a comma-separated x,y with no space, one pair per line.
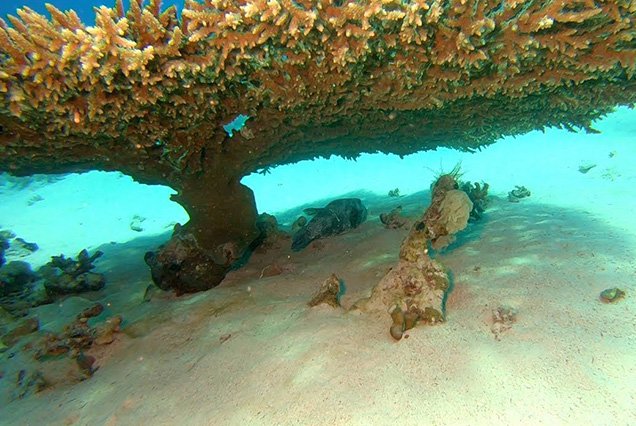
415,289
329,293
148,93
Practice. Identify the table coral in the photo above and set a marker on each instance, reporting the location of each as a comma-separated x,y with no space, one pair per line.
147,93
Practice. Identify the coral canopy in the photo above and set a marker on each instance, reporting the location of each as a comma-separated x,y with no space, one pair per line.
146,92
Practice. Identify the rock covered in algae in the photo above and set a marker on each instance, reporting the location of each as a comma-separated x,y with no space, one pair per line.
415,289
612,295
402,321
329,293
394,219
183,266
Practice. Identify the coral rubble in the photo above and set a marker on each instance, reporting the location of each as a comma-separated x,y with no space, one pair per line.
478,194
329,293
64,275
518,193
148,91
39,358
394,219
503,318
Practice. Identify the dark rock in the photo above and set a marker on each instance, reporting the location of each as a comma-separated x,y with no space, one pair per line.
28,382
183,266
267,224
33,294
21,248
335,218
271,236
15,277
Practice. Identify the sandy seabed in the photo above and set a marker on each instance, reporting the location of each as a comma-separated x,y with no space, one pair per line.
252,352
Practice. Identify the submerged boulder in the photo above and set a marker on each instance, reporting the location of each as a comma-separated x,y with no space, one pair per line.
15,277
181,265
335,218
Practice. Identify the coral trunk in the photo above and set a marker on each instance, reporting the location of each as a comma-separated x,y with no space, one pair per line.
222,215
219,235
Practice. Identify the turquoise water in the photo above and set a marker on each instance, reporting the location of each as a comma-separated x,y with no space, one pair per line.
548,160
84,8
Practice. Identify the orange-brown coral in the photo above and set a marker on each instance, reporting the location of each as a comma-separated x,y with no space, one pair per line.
147,93
142,82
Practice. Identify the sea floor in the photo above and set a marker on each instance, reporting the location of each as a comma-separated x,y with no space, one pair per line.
252,352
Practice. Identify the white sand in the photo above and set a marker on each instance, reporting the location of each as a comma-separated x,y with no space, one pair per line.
568,359
86,211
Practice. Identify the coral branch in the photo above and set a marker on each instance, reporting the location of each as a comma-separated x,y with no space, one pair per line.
309,71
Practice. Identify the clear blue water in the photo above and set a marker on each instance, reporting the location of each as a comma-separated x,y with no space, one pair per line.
84,8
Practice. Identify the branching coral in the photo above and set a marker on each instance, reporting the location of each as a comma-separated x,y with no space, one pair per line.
147,93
